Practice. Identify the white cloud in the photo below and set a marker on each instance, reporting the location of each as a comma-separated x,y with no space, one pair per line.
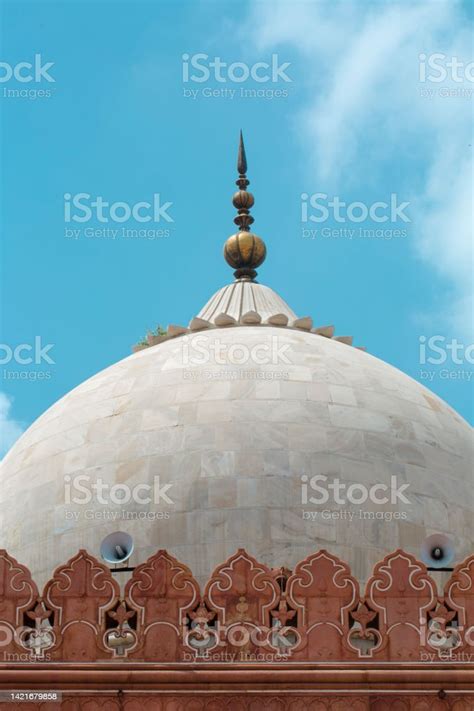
10,429
359,65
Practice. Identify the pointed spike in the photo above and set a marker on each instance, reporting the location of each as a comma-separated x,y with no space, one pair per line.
305,323
343,339
224,319
154,340
242,158
326,331
278,320
198,324
174,330
139,347
251,317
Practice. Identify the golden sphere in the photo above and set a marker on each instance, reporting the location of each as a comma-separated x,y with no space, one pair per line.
243,199
245,250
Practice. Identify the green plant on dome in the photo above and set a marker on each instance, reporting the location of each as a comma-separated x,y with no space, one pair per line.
158,331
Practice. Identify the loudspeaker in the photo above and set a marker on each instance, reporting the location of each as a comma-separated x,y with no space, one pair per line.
116,547
437,551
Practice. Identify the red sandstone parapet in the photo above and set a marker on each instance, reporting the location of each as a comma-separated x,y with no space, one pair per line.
247,613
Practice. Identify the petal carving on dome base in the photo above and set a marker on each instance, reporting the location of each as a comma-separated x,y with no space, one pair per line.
174,330
347,340
251,317
277,320
223,319
304,324
326,331
199,324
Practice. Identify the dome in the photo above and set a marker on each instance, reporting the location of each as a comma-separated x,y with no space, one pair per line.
249,429
235,422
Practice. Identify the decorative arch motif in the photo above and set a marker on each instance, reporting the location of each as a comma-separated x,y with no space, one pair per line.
79,595
459,597
243,592
163,592
402,594
241,576
18,593
315,613
323,593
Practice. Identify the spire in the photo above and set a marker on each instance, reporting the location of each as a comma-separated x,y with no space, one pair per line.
242,159
242,200
244,251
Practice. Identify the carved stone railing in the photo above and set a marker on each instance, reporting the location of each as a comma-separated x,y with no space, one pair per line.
247,612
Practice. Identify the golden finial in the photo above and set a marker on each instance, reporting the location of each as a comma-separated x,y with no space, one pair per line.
244,251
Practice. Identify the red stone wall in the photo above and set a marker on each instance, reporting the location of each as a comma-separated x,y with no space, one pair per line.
274,634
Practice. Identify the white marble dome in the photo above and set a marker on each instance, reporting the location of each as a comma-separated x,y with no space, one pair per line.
234,440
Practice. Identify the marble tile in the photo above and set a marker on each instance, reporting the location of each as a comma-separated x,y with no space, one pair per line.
358,418
342,395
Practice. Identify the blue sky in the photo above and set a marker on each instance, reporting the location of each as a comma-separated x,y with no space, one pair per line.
349,115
